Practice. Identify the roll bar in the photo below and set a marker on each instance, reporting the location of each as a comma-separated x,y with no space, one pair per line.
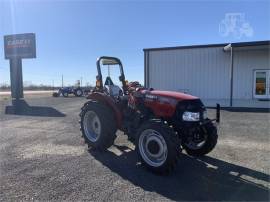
107,60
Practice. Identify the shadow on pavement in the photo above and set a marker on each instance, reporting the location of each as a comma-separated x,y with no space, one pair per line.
244,109
20,107
204,179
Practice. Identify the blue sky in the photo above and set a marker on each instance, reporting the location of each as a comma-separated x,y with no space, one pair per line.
72,34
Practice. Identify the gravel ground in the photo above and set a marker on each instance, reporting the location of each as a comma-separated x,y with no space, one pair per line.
28,92
43,157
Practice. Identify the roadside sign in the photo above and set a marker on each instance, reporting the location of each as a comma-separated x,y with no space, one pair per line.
20,46
17,47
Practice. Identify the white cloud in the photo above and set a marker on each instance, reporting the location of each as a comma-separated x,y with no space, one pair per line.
235,24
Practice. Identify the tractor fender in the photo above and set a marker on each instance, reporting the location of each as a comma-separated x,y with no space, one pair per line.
100,97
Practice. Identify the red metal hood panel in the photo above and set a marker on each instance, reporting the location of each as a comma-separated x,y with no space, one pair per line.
172,94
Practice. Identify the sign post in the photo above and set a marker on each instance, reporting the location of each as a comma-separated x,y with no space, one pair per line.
16,78
16,47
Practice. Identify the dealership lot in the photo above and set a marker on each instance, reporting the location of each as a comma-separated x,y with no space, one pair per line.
43,157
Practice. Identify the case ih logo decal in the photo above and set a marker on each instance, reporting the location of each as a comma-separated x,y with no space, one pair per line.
20,46
151,97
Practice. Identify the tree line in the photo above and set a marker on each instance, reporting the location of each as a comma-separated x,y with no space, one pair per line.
6,87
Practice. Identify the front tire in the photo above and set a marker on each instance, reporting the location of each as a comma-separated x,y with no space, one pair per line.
158,146
98,125
78,93
65,94
210,140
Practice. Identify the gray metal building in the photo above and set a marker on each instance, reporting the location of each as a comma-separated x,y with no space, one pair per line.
236,74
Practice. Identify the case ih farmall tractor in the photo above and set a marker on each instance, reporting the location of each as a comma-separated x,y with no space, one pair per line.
159,123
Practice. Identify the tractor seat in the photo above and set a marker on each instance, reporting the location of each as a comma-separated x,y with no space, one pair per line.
112,89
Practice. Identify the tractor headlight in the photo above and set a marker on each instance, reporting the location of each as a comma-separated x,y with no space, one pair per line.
191,116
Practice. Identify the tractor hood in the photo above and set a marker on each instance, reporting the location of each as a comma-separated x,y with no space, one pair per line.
172,94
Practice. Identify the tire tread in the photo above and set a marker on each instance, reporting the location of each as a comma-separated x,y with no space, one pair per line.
172,140
107,121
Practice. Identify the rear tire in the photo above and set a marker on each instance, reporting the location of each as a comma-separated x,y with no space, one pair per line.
158,146
208,146
98,125
55,94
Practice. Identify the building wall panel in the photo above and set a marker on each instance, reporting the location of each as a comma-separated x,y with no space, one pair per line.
202,72
245,62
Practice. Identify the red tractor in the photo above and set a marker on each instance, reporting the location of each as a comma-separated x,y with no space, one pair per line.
159,123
